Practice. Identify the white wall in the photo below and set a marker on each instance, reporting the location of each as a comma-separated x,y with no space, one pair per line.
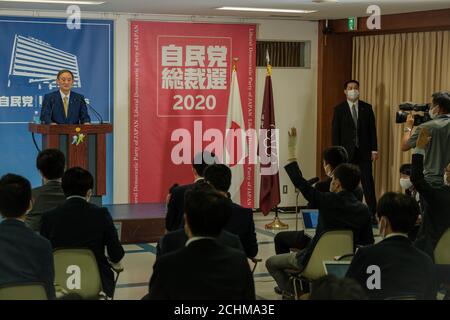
295,101
294,93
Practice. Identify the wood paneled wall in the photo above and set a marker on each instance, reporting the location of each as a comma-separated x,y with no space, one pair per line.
335,60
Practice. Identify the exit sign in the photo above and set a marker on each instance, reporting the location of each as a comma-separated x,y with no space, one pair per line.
352,24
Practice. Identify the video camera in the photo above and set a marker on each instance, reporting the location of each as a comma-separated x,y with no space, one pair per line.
419,111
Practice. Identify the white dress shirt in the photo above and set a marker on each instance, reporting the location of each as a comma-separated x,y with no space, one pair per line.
63,95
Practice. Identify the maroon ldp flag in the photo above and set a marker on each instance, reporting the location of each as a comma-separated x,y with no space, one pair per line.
269,196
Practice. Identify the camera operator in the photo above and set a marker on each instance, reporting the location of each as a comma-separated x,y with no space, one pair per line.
436,217
438,151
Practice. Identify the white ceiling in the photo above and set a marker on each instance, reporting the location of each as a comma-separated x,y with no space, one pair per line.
340,9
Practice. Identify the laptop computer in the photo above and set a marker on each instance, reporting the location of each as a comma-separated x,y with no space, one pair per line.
336,268
310,218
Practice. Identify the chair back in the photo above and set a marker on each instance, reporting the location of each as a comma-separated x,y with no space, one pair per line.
76,271
23,291
442,251
330,244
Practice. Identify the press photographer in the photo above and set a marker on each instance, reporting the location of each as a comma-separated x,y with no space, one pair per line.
437,153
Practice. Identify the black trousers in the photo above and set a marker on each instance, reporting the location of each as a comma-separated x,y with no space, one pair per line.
290,239
368,185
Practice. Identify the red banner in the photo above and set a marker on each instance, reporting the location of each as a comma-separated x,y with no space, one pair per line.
180,76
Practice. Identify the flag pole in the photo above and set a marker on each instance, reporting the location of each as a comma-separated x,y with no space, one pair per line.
276,224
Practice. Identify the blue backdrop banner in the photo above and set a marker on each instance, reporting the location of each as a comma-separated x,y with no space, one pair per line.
33,50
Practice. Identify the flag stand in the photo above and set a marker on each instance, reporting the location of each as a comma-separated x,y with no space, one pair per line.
277,224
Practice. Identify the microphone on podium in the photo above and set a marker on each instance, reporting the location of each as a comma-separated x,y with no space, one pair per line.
97,115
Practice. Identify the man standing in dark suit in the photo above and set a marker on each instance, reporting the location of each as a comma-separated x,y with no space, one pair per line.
78,223
354,128
24,256
51,165
175,205
64,106
241,221
394,267
210,270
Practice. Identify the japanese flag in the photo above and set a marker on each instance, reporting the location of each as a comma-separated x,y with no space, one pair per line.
235,140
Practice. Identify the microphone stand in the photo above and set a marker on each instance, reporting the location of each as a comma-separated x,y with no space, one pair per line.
97,115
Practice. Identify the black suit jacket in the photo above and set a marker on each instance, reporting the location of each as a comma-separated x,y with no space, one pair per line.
53,109
175,240
210,271
175,207
436,215
77,223
45,198
404,269
336,211
241,224
324,186
344,130
25,256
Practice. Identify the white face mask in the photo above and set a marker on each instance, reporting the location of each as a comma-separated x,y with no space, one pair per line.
352,94
328,171
332,186
433,115
405,183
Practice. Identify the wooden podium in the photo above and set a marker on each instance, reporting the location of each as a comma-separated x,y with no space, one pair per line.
83,145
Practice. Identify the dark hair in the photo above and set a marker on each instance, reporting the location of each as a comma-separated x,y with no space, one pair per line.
65,71
202,160
348,175
442,99
15,195
405,169
331,288
334,156
401,210
207,211
51,163
219,175
350,81
77,181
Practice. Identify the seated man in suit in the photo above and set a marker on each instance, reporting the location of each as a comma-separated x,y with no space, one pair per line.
209,270
241,221
338,209
403,270
331,158
175,206
64,106
24,255
436,215
78,223
51,164
177,239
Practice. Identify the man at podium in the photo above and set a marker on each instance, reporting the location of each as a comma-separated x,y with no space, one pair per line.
64,106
